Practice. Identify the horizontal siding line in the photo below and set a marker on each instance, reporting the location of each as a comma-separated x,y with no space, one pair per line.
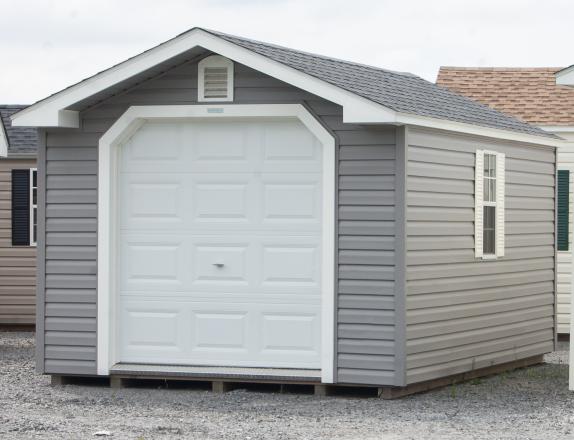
471,288
450,354
454,367
474,309
485,341
547,265
544,311
464,337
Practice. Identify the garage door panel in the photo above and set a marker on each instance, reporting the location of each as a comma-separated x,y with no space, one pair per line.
211,333
149,265
152,201
220,245
287,145
221,202
153,145
220,263
291,265
155,330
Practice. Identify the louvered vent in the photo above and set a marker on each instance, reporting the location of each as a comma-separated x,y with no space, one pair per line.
215,82
215,74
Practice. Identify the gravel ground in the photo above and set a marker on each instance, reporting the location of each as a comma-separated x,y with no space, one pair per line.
531,403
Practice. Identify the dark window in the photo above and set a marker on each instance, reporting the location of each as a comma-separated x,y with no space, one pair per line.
563,203
489,240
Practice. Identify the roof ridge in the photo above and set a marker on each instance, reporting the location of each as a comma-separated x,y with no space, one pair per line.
324,57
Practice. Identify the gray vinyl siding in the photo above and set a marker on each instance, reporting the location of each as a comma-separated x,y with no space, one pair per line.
463,313
365,300
17,263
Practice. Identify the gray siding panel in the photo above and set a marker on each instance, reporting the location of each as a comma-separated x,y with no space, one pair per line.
463,313
365,180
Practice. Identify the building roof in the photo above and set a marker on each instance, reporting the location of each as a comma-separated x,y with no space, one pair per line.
530,94
21,140
391,93
399,91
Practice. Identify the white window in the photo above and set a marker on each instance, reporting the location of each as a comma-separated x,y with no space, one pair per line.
489,204
215,79
33,206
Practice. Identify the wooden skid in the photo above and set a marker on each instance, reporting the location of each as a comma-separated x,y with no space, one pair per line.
223,385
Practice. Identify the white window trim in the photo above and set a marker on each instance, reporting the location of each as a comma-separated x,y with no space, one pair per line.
214,61
480,203
33,206
119,133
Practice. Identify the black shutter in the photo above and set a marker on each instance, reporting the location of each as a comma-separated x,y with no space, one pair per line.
21,207
563,209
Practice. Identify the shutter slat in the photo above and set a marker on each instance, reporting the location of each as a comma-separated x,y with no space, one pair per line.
563,209
21,207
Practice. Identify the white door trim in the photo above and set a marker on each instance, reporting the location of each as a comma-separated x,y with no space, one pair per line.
119,133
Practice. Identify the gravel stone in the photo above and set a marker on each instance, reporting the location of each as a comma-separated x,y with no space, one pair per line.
530,403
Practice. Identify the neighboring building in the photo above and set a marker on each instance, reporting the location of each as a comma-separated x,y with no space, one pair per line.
226,209
532,95
18,147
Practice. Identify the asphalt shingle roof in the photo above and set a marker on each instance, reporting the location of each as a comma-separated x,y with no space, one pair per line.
402,92
530,94
21,140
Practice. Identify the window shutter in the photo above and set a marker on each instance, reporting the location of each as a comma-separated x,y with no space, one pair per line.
478,202
500,192
563,208
21,207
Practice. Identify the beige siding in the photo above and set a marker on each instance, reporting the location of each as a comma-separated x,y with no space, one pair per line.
17,263
464,313
564,278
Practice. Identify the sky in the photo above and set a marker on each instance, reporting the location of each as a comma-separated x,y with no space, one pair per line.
47,45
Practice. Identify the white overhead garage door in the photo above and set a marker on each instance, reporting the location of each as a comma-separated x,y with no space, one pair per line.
220,244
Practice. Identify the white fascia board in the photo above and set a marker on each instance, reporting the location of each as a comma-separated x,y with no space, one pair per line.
565,77
460,127
3,141
51,112
557,128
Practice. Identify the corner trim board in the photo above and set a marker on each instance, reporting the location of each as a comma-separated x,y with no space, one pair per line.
120,132
41,254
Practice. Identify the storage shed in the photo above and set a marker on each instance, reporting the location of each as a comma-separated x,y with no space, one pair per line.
222,208
18,147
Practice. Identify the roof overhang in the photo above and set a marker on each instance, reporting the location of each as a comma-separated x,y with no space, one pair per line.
3,141
54,111
565,77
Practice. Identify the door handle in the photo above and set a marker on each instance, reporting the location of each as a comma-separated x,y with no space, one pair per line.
219,265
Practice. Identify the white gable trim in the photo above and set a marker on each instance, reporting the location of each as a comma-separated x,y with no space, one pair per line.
461,127
51,112
3,141
121,131
558,128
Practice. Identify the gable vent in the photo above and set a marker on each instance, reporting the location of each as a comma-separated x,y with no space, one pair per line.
215,76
